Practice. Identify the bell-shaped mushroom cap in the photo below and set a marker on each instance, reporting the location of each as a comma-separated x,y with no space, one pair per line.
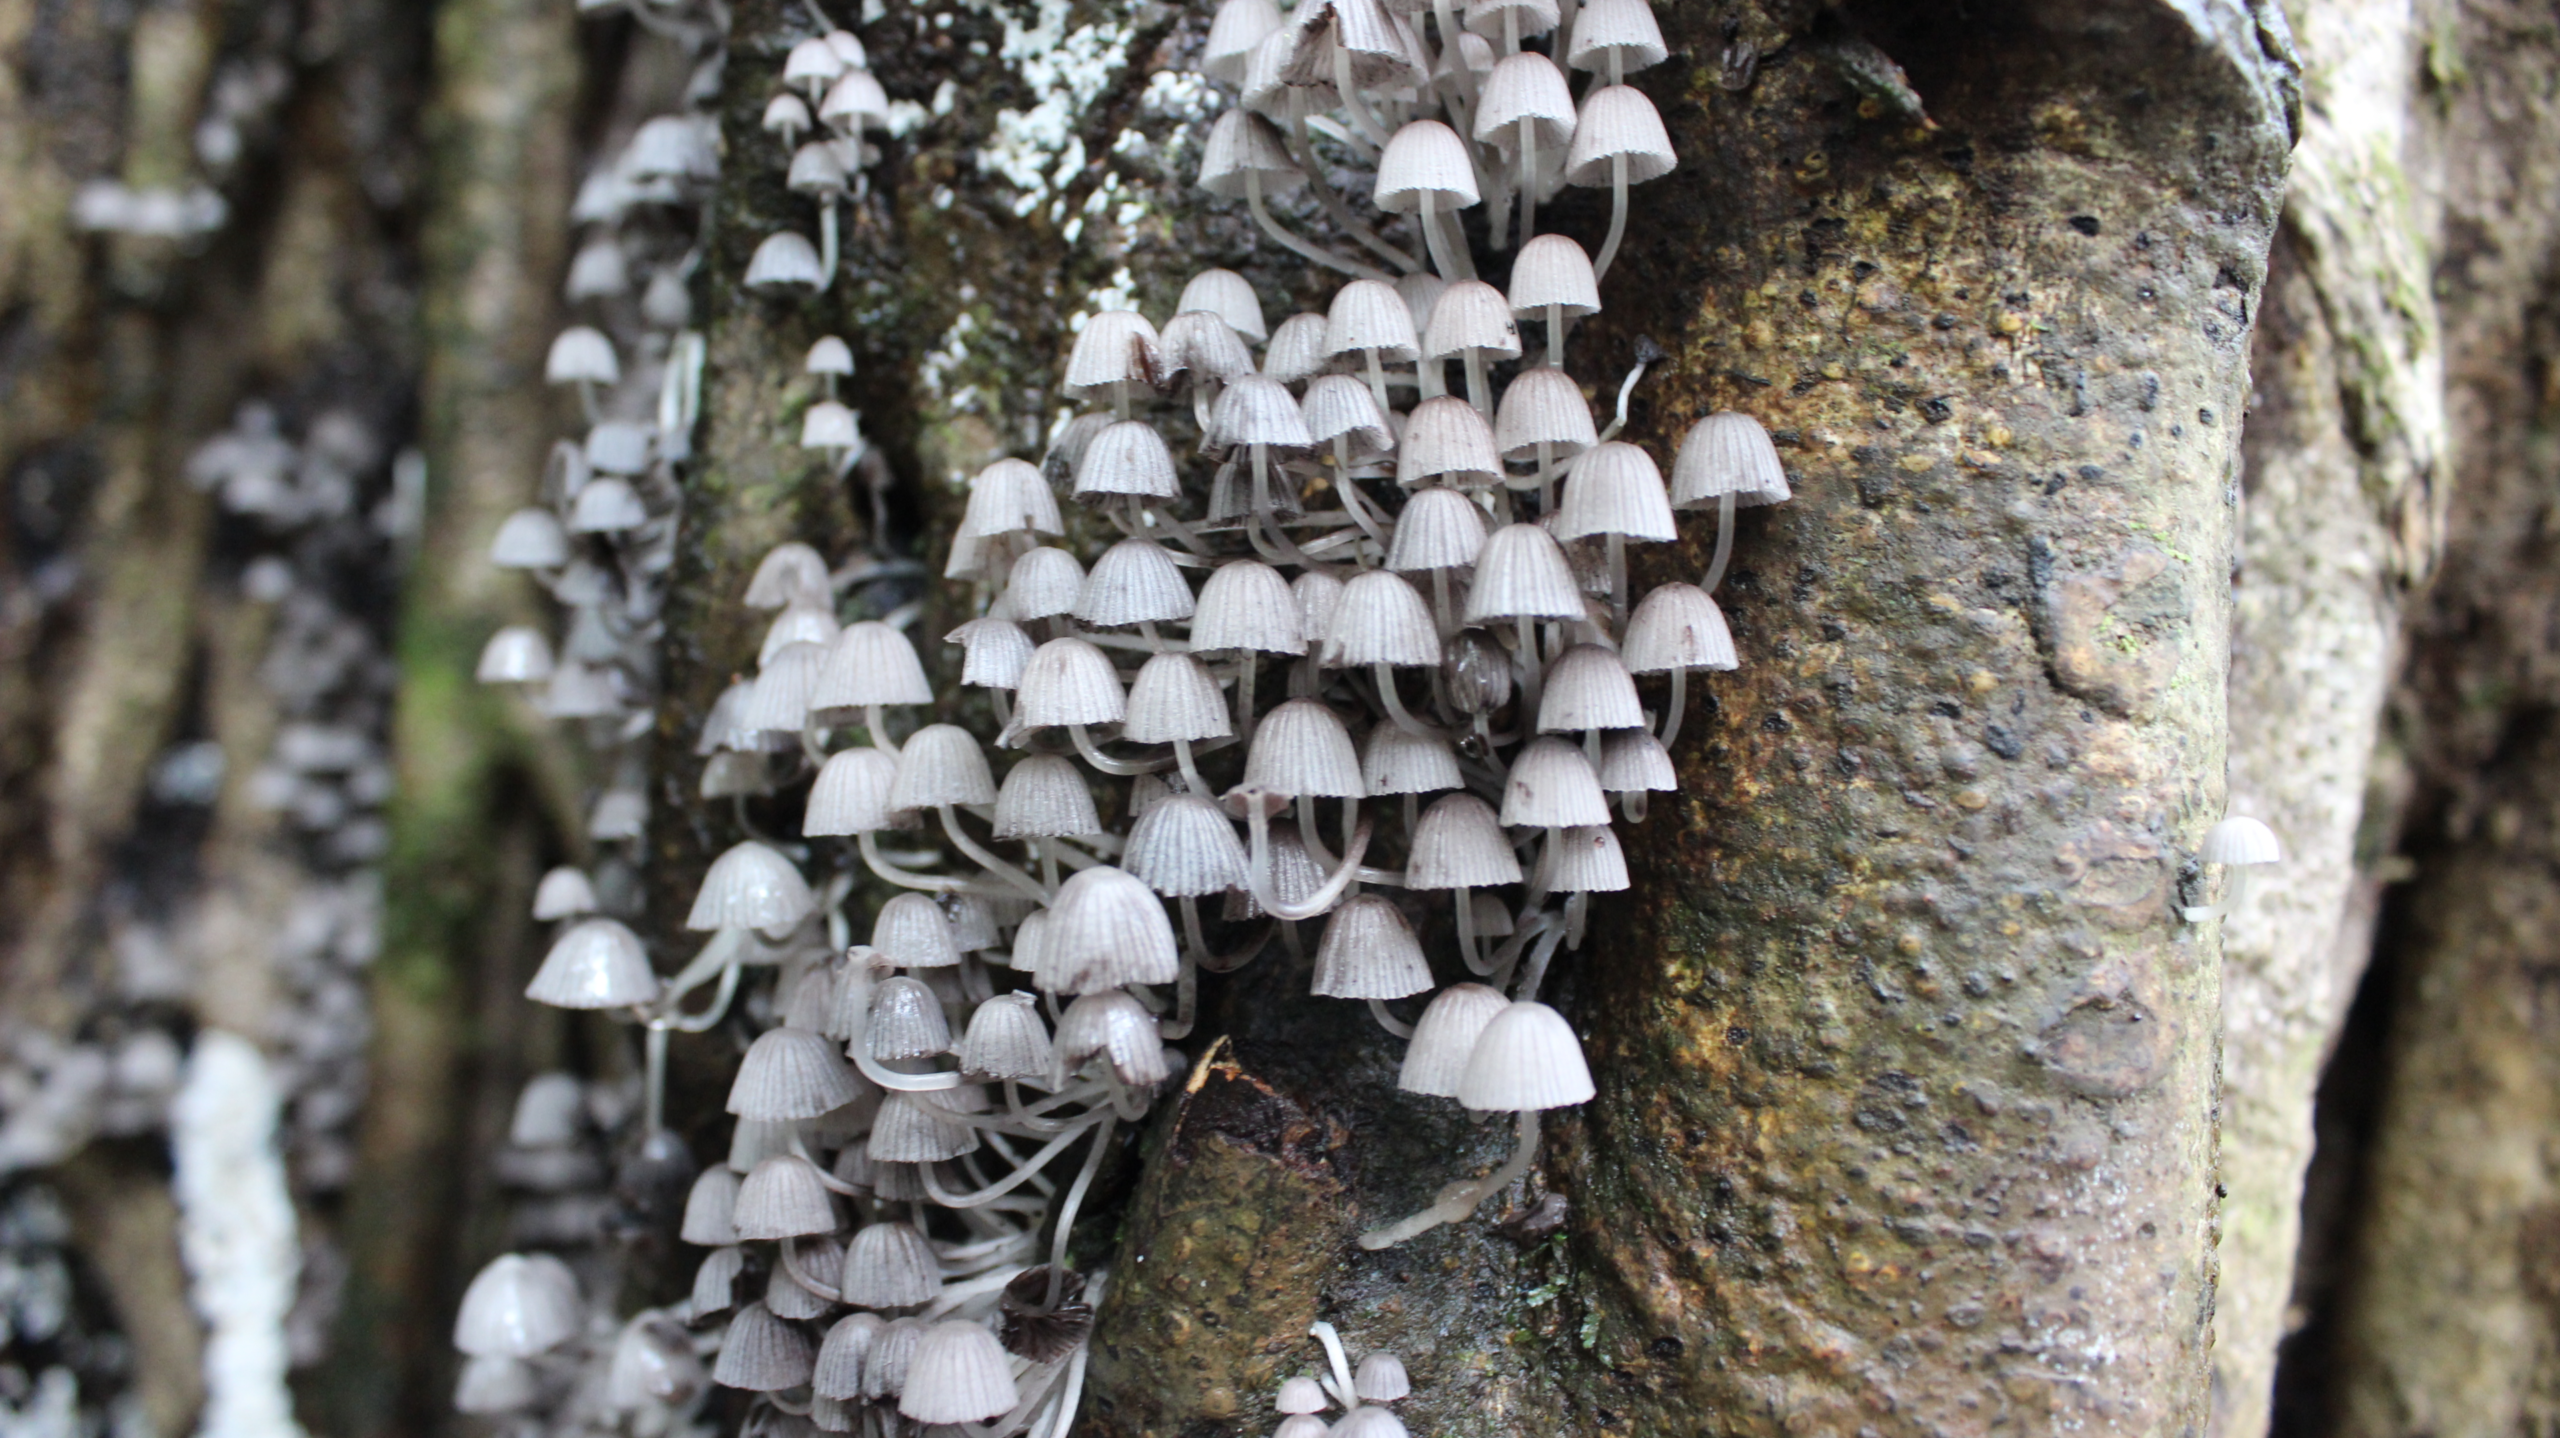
515,655
870,663
1114,1027
1369,315
597,964
520,1305
762,1354
1728,453
1420,291
1542,406
1302,749
1369,952
496,1384
815,170
797,624
1530,17
1006,1039
1586,860
886,1374
778,701
909,1129
1069,681
1553,786
1359,33
2240,839
829,355
855,102
1553,270
1522,574
1471,317
1439,529
1116,355
1134,582
750,887
812,62
783,1197
1225,293
911,933
710,1209
1316,593
1256,409
1278,88
1185,845
653,1365
785,115
1618,124
1678,626
1127,458
1291,870
581,353
1246,604
1460,843
715,1283
1029,937
1044,797
1380,1379
1010,497
790,573
1623,31
959,1375
1445,439
618,814
889,1265
848,48
785,258
1302,1425
1633,761
1239,27
1475,672
1244,148
1338,406
1300,1395
1436,1057
1381,619
852,794
1589,688
1296,351
608,505
1399,761
906,1020
1046,583
791,1073
1425,161
841,1356
994,652
1201,349
529,539
1614,488
1526,92
941,764
1106,930
564,893
1174,697
1527,1058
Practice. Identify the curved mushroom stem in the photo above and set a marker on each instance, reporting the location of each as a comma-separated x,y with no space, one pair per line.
1635,804
1355,99
1125,768
1460,1199
1617,548
987,860
1378,380
906,878
1385,678
1248,664
875,719
1434,240
1679,705
1258,873
856,1002
1340,212
1020,1176
1536,973
1074,1200
1190,770
827,244
1617,218
1304,248
1341,1385
1724,542
1469,947
2234,893
1555,353
1627,387
1266,516
1388,1021
799,1275
1446,222
587,400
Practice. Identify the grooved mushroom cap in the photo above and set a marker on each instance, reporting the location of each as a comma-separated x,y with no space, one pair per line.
1618,123
1300,1395
790,573
1069,681
1426,162
1360,31
1439,529
1632,761
1527,1058
1381,619
578,353
1492,17
783,1197
762,1354
1007,1040
1200,349
564,893
1522,574
1398,761
802,623
889,1265
778,701
1553,270
911,933
1625,29
1117,354
1614,488
710,1209
1174,697
715,1283
529,539
1239,27
1526,92
1447,440
520,1305
2241,840
1106,929
941,764
1589,688
1470,317
1268,91
848,48
812,62
1380,1379
840,1357
1316,593
886,1373
750,887
1246,604
1127,458
1338,406
852,795
1184,844
1046,583
514,655
785,115
1045,796
1225,293
1678,626
1114,1027
1542,405
784,259
815,170
994,652
1010,497
1436,1057
1368,315
909,1129
1728,453
1460,844
1301,749
1369,952
597,964
1586,860
1257,409
959,1374
1243,147
1296,351
1135,582
1552,786
870,663
791,1074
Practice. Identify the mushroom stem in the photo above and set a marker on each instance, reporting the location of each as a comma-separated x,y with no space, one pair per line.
1555,349
996,1190
1125,768
1617,218
1617,547
1355,99
1267,518
1074,1200
876,721
1388,1021
1258,873
988,860
1528,159
1460,1199
799,1275
1470,948
1385,678
1553,933
653,1111
1627,387
905,878
1250,664
827,244
1679,705
1479,391
1341,1385
1186,999
1378,380
1303,248
1724,542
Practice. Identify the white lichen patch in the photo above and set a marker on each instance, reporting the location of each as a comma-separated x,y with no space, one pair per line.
1038,150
